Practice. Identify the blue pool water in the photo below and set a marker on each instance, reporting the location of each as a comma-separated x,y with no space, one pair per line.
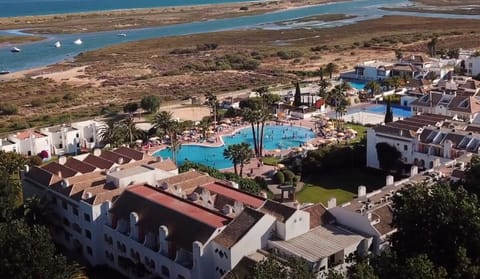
398,111
276,137
357,84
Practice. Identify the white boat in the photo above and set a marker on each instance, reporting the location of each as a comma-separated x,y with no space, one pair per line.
4,72
78,42
122,34
58,44
15,49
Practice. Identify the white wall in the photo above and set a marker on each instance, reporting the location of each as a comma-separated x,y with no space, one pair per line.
404,145
297,224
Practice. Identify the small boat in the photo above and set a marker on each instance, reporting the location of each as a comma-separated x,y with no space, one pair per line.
4,72
15,49
78,42
58,44
122,34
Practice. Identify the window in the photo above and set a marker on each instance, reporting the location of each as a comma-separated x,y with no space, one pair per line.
66,222
77,135
75,211
64,205
86,217
165,271
89,250
88,234
405,147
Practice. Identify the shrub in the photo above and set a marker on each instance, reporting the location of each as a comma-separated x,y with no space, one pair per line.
286,55
261,182
8,109
279,177
36,160
288,175
37,102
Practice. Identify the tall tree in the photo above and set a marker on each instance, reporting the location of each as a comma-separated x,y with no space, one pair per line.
131,131
167,126
322,91
112,133
440,223
212,103
28,252
388,113
239,154
297,98
388,156
150,103
130,107
374,87
361,270
321,73
331,69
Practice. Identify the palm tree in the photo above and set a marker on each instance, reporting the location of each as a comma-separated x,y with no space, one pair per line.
331,68
239,154
373,87
131,131
166,125
253,117
111,133
212,102
36,210
321,73
204,124
324,84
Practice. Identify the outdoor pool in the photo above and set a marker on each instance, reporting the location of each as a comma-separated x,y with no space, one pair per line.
398,111
276,137
359,85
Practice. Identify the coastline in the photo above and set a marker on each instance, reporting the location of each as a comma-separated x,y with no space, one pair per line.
147,17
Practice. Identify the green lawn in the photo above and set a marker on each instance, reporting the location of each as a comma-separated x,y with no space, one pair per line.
360,129
270,161
341,184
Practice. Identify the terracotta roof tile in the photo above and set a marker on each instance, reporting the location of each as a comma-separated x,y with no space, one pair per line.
238,227
56,168
385,213
186,222
237,195
79,166
280,211
319,215
131,153
115,157
42,176
98,162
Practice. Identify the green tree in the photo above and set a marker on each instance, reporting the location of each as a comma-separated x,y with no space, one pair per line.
150,103
130,107
361,270
269,268
472,176
321,73
331,69
388,113
28,252
212,103
297,98
165,125
432,46
373,87
112,133
388,156
130,130
441,225
239,154
333,274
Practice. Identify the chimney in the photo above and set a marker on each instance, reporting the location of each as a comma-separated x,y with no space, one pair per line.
62,160
389,180
332,202
97,152
361,191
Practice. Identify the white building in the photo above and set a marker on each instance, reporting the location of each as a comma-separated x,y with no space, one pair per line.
472,65
8,146
139,216
89,133
63,139
370,70
31,143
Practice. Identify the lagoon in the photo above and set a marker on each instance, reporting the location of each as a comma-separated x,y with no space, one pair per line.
43,53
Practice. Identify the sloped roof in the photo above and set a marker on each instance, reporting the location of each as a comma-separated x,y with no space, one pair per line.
237,195
131,153
280,211
98,162
56,168
186,222
385,213
115,157
238,227
319,215
42,176
79,166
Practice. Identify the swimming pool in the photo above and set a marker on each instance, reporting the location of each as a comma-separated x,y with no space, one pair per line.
398,111
359,85
276,137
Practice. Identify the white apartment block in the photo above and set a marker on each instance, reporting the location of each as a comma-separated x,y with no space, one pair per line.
425,141
55,140
370,70
136,214
472,65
